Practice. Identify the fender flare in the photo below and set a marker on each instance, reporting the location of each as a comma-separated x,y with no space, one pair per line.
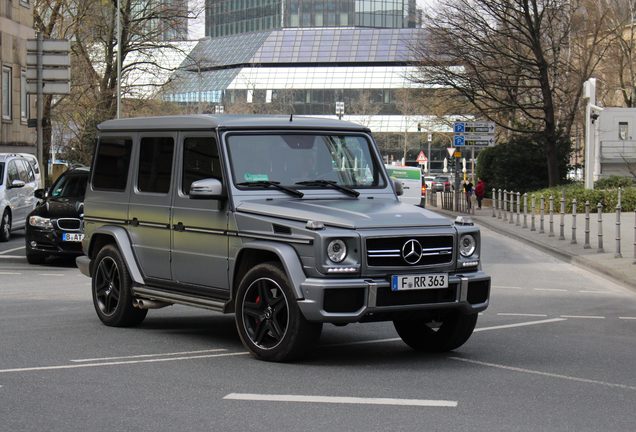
120,235
288,258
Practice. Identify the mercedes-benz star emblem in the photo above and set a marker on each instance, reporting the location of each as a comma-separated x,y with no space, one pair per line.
412,251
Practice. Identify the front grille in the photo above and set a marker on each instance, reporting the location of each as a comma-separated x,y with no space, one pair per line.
69,224
388,251
386,297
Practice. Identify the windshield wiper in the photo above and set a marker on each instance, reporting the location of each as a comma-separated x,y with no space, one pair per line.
277,185
331,184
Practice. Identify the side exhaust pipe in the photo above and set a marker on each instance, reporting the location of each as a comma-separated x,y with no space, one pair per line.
149,304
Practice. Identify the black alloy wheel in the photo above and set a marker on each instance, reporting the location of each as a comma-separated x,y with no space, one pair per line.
268,318
112,290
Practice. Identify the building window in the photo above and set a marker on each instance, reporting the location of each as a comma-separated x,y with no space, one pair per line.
7,88
24,100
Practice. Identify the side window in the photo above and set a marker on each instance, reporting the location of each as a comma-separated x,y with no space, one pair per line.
111,163
30,176
12,172
22,170
200,160
155,164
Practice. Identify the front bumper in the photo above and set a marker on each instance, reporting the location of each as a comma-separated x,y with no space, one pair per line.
50,242
357,300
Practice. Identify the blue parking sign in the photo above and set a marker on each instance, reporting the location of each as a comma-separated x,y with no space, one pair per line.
460,127
458,141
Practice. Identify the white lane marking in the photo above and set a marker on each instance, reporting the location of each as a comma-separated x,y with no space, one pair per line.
583,316
340,400
627,318
593,292
507,287
364,342
522,314
551,289
118,363
12,250
146,355
13,256
523,324
546,374
50,274
10,273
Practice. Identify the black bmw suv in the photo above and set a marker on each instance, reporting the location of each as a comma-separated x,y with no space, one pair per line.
54,228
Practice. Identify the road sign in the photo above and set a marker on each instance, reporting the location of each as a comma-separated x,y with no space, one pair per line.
474,127
49,87
49,45
479,140
459,141
451,151
55,59
421,158
429,138
62,74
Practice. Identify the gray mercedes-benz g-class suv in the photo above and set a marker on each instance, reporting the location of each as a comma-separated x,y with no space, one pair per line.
287,222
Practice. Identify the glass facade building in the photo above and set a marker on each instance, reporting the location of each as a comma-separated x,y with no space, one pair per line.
230,17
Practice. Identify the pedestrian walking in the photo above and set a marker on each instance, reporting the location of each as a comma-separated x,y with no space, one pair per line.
480,191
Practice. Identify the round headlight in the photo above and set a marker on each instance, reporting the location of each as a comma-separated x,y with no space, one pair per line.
467,245
337,251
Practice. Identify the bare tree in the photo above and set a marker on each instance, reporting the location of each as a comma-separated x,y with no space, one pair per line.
519,63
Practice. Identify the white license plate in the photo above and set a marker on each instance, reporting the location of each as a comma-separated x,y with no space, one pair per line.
415,282
72,237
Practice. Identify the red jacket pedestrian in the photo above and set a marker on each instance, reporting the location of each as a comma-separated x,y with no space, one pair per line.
480,191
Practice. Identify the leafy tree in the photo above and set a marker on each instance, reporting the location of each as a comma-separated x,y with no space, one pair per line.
519,164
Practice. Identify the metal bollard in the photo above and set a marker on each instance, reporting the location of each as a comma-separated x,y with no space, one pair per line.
505,203
518,208
532,206
512,207
587,226
562,216
541,216
551,209
634,237
500,204
573,222
494,202
525,210
599,209
619,207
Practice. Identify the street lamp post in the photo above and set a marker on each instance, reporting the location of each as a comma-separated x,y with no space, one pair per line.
118,58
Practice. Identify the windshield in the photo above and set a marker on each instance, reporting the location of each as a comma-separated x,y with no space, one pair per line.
70,186
290,159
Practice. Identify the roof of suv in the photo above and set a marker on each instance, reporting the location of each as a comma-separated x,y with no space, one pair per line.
207,122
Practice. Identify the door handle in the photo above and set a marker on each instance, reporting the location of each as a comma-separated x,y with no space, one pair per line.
134,222
179,227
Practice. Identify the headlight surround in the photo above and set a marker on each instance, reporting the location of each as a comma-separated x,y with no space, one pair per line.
467,245
336,251
40,222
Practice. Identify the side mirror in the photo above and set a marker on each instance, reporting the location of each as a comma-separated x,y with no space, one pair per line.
399,190
17,184
39,193
209,188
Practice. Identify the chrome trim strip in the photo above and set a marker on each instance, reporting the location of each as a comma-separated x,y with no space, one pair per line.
204,230
154,225
151,294
105,220
274,237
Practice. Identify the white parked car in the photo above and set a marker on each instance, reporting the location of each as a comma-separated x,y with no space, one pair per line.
33,161
17,185
412,182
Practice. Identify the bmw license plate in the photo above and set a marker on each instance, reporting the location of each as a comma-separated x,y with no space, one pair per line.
415,282
72,237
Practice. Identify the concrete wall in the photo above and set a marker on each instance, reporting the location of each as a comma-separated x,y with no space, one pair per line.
616,129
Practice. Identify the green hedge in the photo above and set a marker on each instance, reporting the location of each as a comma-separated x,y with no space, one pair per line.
608,197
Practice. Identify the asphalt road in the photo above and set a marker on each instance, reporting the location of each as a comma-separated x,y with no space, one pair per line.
554,352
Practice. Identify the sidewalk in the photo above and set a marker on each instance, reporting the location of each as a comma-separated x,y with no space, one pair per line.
621,269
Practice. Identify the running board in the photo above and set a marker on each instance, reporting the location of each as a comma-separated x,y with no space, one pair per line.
183,299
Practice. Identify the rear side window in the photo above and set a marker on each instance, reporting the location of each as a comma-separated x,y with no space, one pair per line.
111,163
155,164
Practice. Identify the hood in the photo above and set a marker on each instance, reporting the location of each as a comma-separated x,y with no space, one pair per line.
347,213
55,208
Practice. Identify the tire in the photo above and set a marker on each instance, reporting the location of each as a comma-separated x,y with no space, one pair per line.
111,286
5,226
35,257
268,319
427,335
